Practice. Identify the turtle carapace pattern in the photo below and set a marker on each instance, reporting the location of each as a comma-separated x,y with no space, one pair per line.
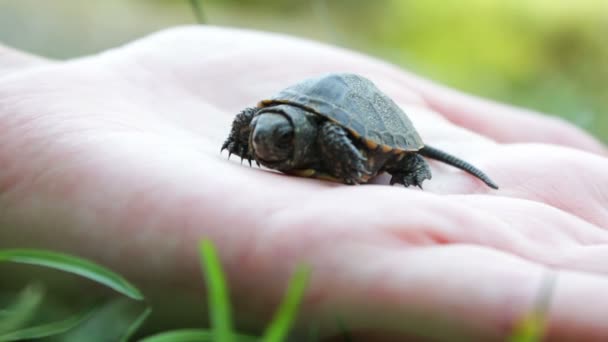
337,127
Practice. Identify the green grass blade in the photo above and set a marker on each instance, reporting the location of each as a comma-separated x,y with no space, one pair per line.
72,264
137,323
47,329
184,335
197,8
22,310
344,332
108,322
531,328
191,335
313,333
219,304
285,316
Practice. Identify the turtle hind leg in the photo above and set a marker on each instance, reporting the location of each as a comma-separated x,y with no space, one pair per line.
238,139
411,169
340,157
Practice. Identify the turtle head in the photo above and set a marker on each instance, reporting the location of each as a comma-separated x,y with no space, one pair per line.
281,137
272,137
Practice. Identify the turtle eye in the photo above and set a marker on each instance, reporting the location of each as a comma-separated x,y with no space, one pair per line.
284,138
286,135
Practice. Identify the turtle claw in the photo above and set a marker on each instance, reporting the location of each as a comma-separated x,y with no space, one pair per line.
237,148
246,158
228,145
237,141
350,182
408,179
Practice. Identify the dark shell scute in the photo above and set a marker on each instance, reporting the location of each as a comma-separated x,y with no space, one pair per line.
356,104
400,140
374,136
388,139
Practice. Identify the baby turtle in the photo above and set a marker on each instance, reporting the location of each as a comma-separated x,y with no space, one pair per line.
337,127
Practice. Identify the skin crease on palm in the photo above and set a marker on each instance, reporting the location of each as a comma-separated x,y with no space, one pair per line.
115,157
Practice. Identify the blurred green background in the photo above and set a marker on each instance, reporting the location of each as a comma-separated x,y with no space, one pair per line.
547,55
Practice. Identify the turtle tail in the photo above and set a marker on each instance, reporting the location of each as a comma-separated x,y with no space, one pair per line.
449,159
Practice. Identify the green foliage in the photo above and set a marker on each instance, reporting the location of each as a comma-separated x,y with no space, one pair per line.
119,320
219,305
191,335
545,55
116,319
136,325
183,335
531,328
22,310
46,329
278,329
72,264
542,54
197,9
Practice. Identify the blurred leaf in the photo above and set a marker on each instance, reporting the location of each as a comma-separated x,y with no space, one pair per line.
219,304
532,326
72,264
197,8
112,321
344,332
47,329
22,310
285,316
191,335
137,323
529,329
313,333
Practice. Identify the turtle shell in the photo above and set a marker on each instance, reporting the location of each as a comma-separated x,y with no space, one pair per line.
356,104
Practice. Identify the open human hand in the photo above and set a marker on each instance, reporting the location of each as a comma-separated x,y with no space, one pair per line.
115,157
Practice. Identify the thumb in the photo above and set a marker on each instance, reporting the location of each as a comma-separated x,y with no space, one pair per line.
12,60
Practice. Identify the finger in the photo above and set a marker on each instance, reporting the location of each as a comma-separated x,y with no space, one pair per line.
561,177
435,293
567,179
13,60
528,229
501,122
536,232
267,72
571,180
577,309
525,230
232,68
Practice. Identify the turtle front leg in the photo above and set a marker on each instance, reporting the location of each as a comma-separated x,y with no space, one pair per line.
238,140
340,157
411,169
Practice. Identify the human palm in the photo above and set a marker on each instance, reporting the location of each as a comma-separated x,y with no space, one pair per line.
116,157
